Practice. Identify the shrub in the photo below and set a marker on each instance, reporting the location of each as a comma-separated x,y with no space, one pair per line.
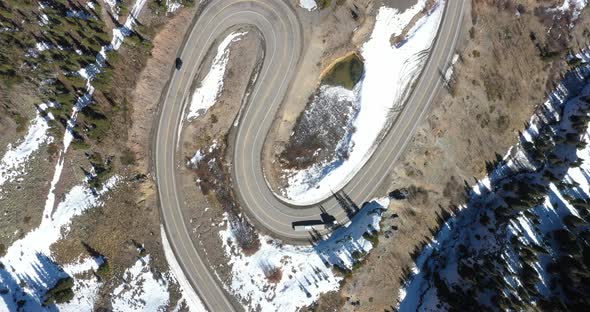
103,172
80,144
104,269
60,293
245,234
127,158
373,238
273,274
21,122
357,255
342,271
322,4
103,79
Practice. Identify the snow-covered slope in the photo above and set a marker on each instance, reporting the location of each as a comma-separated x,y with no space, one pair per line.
523,239
13,163
381,94
140,291
28,269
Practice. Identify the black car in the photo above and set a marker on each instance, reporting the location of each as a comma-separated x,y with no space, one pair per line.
178,63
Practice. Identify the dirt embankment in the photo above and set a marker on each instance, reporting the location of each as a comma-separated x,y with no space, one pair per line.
330,33
206,182
502,75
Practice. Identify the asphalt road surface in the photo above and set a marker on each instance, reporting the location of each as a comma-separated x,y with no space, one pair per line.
283,41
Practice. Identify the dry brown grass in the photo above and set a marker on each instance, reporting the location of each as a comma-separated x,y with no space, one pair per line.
273,274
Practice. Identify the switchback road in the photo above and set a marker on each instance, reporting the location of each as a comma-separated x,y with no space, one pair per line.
278,24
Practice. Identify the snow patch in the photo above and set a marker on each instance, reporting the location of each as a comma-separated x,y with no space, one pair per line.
42,46
172,6
113,6
306,272
573,6
195,159
85,288
309,5
30,269
14,160
43,19
188,293
83,265
206,94
140,291
451,69
79,14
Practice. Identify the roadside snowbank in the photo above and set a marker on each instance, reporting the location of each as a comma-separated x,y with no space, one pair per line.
205,95
188,293
389,73
281,277
29,267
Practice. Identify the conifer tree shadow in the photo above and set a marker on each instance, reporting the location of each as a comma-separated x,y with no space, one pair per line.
24,292
346,203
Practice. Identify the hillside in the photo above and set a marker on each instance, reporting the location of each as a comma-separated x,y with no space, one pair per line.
522,241
80,228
